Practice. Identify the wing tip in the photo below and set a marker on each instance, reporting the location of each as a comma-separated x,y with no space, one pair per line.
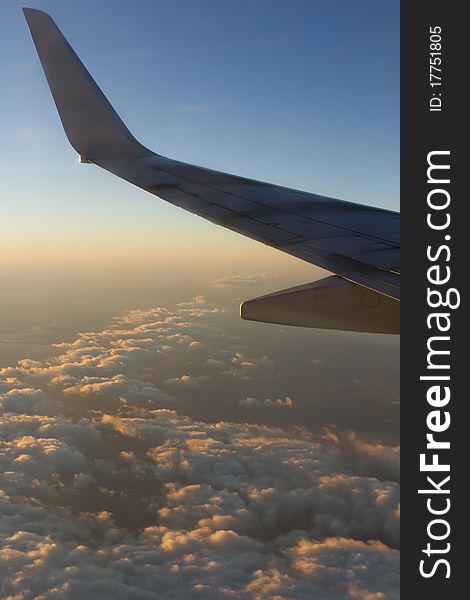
37,19
30,12
91,124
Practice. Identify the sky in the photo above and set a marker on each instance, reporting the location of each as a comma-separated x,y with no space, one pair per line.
153,445
303,94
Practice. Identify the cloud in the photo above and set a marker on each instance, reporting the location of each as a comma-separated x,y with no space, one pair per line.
240,280
105,494
140,355
198,300
187,381
285,402
232,511
119,385
213,362
26,400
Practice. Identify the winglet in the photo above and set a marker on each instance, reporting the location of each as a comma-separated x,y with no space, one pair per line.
90,122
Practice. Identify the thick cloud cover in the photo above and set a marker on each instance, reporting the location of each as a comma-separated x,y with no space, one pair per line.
110,493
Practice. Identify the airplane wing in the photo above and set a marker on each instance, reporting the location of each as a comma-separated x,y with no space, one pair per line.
359,243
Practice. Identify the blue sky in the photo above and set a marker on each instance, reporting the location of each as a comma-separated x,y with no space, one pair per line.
304,94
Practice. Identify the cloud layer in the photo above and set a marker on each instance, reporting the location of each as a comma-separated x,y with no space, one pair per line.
109,493
133,358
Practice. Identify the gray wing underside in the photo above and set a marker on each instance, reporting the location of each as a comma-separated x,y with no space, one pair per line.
357,242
